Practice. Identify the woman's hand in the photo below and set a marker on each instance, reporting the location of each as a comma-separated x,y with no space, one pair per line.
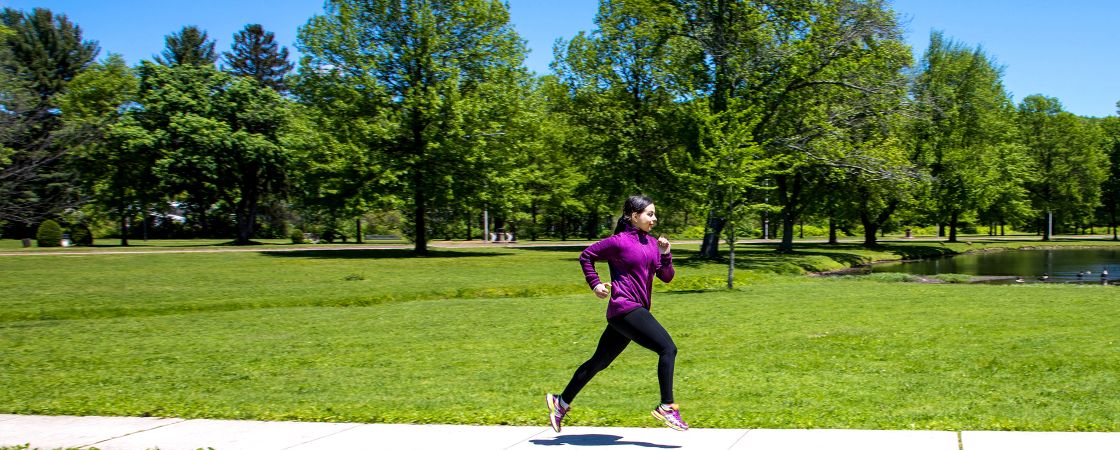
603,290
663,244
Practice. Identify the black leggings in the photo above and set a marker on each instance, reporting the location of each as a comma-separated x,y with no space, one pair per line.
638,326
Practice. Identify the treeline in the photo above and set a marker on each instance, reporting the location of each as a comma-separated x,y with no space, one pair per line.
420,118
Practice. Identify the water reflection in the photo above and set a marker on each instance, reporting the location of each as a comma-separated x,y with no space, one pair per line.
1055,265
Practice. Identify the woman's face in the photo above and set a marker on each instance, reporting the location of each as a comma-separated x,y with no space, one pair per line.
646,219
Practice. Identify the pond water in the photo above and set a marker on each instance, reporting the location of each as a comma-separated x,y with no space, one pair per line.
1062,265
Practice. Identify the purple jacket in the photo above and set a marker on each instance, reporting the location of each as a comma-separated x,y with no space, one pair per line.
634,257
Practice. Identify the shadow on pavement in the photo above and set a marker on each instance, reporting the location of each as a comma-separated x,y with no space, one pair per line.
595,440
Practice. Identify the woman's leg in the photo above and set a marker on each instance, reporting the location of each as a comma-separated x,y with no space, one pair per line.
611,344
641,327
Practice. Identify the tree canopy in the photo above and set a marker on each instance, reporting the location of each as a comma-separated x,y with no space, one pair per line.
418,118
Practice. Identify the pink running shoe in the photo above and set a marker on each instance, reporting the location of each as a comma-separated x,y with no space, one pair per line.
671,415
556,412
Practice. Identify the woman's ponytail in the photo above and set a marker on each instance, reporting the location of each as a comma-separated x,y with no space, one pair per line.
621,225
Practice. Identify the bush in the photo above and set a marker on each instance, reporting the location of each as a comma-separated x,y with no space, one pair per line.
81,235
49,234
954,278
693,232
297,236
889,277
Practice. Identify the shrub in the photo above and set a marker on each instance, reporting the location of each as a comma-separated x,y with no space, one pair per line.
890,277
693,232
81,235
297,236
49,234
954,278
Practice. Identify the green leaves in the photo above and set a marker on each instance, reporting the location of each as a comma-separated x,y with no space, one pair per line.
441,80
214,136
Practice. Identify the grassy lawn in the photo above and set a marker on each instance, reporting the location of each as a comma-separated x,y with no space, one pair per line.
478,336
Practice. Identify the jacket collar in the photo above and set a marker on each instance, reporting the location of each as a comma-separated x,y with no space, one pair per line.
631,229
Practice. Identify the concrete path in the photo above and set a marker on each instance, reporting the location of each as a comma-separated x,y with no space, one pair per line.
111,433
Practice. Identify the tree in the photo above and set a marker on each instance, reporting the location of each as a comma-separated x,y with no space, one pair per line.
40,53
807,72
624,97
432,67
257,55
1069,160
115,175
553,174
1110,189
218,137
188,46
963,116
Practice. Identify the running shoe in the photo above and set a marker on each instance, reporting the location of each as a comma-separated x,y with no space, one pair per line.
671,416
556,412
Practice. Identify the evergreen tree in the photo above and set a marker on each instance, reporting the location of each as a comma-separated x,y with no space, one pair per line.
257,55
40,53
189,46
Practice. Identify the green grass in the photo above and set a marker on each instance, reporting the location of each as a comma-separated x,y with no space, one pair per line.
477,336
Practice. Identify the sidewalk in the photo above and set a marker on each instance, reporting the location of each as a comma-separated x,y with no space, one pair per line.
110,433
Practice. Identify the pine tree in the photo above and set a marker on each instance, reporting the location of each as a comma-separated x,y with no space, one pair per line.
40,52
257,55
188,46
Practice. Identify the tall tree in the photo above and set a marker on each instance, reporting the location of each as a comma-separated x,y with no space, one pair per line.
1069,160
257,55
433,65
622,94
963,116
40,52
188,46
1110,189
807,71
219,137
115,176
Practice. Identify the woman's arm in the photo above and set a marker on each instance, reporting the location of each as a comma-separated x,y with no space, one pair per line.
598,251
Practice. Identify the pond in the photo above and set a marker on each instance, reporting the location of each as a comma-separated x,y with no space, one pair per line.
1055,265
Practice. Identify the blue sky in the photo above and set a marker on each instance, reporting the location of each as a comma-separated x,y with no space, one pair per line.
1064,49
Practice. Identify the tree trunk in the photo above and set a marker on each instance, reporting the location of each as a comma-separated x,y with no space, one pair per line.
122,210
789,196
1113,215
953,226
1046,223
869,239
419,215
832,240
246,218
869,226
709,249
592,226
124,229
788,220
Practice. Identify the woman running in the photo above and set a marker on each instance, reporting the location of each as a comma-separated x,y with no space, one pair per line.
634,257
